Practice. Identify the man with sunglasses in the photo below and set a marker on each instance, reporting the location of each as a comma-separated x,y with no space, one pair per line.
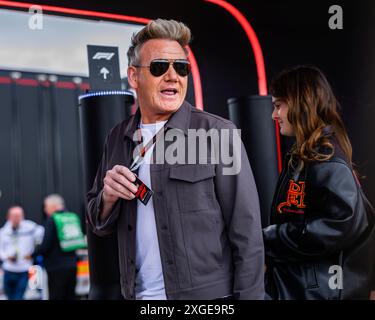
186,231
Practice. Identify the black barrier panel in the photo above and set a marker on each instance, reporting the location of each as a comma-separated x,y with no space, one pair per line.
252,115
40,142
47,143
7,186
98,115
27,148
68,147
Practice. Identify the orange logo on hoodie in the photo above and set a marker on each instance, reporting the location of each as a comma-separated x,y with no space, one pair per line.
295,196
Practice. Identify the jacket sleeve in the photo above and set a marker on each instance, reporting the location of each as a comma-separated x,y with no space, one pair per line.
94,200
38,234
238,198
3,251
49,237
330,229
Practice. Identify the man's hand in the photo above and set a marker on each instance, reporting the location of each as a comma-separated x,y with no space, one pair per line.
118,183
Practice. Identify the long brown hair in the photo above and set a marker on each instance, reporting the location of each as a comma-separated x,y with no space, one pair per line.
312,109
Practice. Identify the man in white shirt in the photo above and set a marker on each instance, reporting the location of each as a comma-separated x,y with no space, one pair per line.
149,274
18,238
197,233
186,230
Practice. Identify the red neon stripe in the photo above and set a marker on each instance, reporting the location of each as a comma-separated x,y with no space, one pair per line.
278,146
259,61
84,86
20,81
194,66
65,85
34,83
27,82
87,13
5,80
196,80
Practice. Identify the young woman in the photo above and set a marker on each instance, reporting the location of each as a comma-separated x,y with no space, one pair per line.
317,246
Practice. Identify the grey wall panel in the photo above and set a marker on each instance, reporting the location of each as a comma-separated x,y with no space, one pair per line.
40,146
67,146
28,155
46,139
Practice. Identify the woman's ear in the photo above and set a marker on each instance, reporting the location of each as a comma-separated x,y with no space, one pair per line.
132,77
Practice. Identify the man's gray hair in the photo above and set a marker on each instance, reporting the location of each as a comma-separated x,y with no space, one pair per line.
158,29
55,199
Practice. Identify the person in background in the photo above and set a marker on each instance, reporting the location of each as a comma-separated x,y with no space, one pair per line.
18,238
321,239
59,256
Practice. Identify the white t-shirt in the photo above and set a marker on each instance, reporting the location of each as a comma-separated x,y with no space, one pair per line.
149,281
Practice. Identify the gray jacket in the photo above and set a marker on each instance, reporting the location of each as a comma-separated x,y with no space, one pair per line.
208,223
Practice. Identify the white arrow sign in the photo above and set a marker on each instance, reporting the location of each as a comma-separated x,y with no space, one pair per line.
104,71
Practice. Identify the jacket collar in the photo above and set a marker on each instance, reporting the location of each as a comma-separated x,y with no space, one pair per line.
180,119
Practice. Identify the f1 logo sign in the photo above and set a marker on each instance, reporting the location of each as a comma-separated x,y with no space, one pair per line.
104,68
103,55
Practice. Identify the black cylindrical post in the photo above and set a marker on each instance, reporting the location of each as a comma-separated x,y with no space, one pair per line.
252,114
99,112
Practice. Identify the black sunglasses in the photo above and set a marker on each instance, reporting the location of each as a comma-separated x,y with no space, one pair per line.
160,66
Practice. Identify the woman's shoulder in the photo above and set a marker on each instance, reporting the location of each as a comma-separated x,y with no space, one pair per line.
336,167
339,155
332,172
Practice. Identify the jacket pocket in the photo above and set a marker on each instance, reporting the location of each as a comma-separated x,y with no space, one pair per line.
202,242
195,187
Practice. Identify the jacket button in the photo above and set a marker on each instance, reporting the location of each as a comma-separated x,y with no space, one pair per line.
164,227
130,228
169,262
